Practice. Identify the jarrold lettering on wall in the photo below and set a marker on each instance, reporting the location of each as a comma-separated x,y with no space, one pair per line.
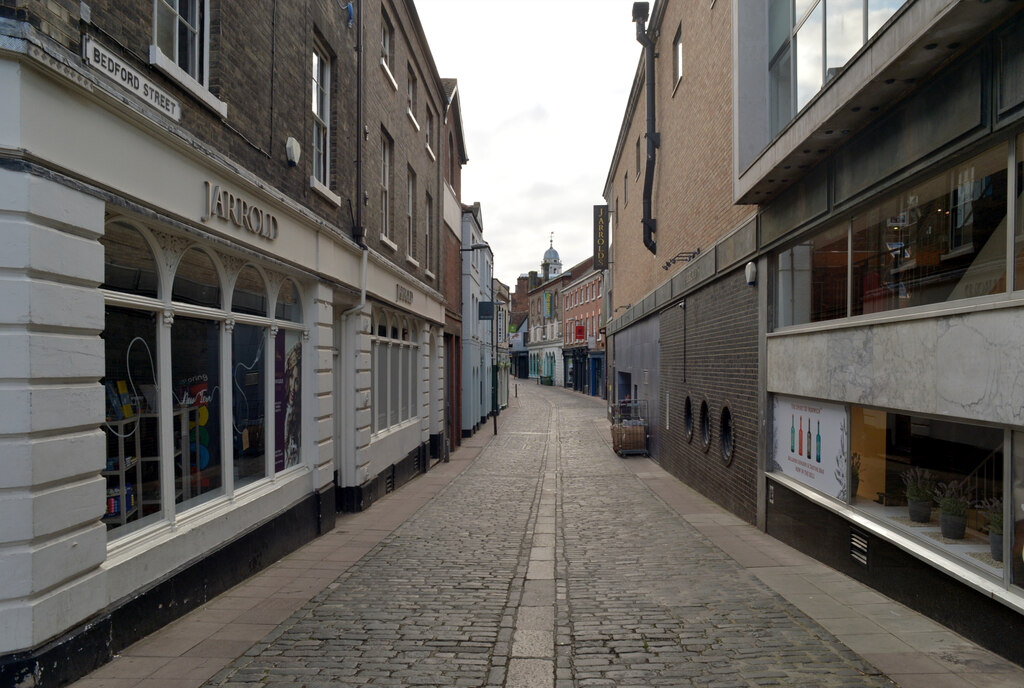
225,205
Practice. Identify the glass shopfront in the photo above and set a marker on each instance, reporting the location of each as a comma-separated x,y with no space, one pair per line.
207,454
941,240
941,482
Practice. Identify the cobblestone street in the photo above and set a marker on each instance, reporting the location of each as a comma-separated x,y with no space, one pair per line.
547,562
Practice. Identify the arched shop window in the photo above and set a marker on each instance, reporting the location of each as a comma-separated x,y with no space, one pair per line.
133,477
248,378
394,357
288,377
212,312
195,377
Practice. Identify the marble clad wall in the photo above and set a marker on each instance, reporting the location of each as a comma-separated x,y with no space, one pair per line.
966,365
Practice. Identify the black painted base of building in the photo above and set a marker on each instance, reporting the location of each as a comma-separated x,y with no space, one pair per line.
359,498
94,643
826,536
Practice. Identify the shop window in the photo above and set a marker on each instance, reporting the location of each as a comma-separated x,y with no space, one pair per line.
705,425
248,402
250,293
289,303
394,360
811,279
132,470
1018,235
943,240
195,375
1016,535
196,280
287,398
128,264
896,459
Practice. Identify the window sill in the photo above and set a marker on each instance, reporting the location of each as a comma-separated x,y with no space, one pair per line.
334,198
387,73
412,261
412,118
387,242
676,87
430,152
428,274
201,93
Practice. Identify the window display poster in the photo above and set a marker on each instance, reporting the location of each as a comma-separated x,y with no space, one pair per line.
287,398
810,444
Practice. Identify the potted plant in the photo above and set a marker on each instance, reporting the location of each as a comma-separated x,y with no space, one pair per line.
854,475
954,500
993,508
920,488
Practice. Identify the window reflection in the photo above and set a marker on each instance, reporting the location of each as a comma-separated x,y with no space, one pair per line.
1018,235
248,365
879,12
811,279
940,241
809,57
844,33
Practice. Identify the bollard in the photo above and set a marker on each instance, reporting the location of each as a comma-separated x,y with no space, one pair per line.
517,390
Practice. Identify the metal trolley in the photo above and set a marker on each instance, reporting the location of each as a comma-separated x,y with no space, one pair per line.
629,428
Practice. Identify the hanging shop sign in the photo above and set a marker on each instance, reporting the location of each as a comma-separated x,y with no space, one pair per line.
226,206
116,69
549,304
810,444
600,237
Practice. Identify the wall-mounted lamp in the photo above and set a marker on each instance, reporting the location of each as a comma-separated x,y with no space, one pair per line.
751,271
621,307
293,150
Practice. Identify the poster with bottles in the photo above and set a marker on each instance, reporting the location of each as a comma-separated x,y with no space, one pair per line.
810,443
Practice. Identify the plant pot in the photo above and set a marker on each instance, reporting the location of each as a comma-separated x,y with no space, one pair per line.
920,512
854,486
995,545
953,527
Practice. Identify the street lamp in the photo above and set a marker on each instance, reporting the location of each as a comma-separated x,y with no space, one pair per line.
494,339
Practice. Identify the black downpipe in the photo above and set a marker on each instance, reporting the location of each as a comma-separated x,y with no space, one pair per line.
358,231
640,15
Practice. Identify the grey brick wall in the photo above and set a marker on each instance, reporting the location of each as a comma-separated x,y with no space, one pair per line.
719,366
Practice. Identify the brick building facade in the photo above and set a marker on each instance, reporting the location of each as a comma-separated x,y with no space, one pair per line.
683,322
206,322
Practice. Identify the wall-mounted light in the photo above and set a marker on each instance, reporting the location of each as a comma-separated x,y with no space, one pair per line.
293,150
751,273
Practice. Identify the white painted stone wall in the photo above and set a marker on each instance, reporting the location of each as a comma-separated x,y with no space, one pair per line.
51,448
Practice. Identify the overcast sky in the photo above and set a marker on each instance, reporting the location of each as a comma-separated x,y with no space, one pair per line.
543,86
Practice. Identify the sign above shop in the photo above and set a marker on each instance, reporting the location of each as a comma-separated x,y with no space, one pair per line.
116,69
403,294
601,237
223,204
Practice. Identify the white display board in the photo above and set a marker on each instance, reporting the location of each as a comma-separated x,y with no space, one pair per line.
810,443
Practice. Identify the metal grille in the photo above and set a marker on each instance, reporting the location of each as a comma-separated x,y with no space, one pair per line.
859,546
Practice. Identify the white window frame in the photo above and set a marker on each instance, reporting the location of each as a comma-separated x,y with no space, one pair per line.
385,188
410,210
321,94
196,84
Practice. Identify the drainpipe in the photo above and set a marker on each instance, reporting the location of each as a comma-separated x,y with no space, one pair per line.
348,467
641,11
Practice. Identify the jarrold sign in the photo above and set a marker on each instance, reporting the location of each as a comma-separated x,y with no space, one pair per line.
116,69
226,206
